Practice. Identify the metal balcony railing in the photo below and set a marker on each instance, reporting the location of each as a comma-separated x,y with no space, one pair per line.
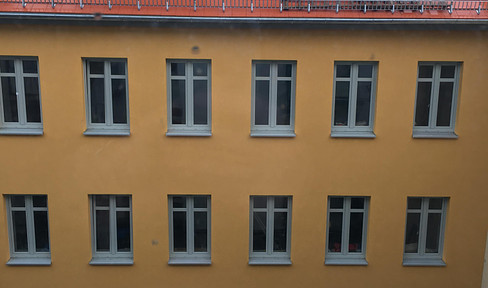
283,5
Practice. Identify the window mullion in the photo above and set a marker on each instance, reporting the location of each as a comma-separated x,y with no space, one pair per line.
29,215
189,95
112,225
365,217
18,91
345,225
190,224
423,225
272,94
270,224
353,96
434,99
108,94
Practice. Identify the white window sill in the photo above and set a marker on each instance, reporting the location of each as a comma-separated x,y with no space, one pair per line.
271,133
112,261
423,262
189,261
106,132
21,131
346,261
352,134
41,261
269,261
189,133
434,135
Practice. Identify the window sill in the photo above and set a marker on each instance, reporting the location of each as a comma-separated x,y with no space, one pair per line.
434,135
190,133
352,134
189,261
423,262
270,261
29,261
271,133
106,132
112,261
346,261
21,131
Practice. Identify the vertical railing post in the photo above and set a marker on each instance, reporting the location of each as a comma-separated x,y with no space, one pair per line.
53,4
167,5
81,4
223,6
252,5
138,5
194,5
23,4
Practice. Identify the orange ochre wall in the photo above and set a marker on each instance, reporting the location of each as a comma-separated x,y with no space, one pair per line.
230,165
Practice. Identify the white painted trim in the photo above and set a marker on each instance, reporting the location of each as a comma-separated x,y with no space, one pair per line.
44,261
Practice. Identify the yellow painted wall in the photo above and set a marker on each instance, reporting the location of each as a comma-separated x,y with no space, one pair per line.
230,166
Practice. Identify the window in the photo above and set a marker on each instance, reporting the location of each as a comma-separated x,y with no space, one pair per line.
111,230
346,230
273,99
437,93
354,99
189,229
424,233
28,230
189,98
20,105
107,100
270,224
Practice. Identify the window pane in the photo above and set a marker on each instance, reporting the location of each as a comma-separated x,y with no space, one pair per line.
412,233
96,67
117,68
179,231
356,232
341,107
123,231
260,201
343,71
102,228
445,104
262,70
280,202
29,66
448,71
365,71
363,105
41,231
280,231
425,71
122,201
200,102
7,66
422,109
284,70
97,99
20,231
200,201
10,112
200,236
39,200
357,203
335,231
177,69
414,203
17,201
283,103
336,202
199,69
259,232
32,102
119,101
101,200
178,109
179,202
435,203
261,109
433,233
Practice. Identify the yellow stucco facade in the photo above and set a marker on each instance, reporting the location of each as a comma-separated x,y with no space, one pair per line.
231,166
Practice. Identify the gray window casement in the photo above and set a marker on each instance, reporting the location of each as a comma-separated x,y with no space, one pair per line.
270,230
347,219
436,99
28,230
354,99
424,231
273,99
189,98
189,230
111,217
20,99
107,99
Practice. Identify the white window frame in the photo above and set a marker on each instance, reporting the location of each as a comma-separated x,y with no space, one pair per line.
269,257
108,128
22,127
344,257
432,131
189,129
190,257
31,257
113,257
421,258
351,130
272,129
